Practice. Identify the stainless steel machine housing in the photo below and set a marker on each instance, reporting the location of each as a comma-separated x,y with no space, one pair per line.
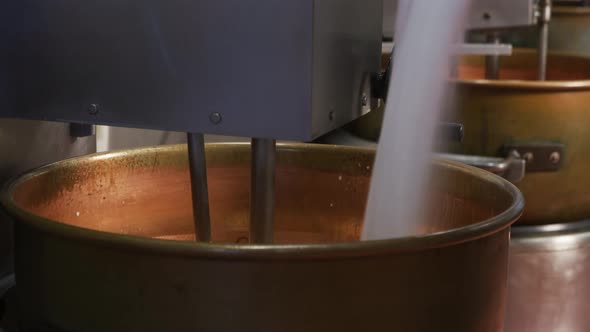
292,69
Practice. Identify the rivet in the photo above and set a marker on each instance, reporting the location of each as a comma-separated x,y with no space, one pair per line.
215,118
331,115
365,100
555,157
93,109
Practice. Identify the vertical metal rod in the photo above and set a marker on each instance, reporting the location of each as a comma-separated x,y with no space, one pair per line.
493,61
262,195
542,51
544,18
199,188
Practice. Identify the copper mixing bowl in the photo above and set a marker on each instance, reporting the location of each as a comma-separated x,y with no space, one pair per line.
105,243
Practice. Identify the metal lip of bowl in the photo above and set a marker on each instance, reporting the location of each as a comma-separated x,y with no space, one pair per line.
267,252
548,85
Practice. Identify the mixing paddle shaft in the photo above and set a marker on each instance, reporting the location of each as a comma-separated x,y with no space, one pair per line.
493,61
262,194
200,195
544,18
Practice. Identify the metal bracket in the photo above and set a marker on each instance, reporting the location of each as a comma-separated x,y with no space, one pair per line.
512,168
502,14
368,101
380,81
539,156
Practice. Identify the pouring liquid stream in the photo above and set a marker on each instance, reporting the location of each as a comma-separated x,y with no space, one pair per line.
424,34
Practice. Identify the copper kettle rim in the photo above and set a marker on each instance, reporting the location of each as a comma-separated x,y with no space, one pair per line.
268,252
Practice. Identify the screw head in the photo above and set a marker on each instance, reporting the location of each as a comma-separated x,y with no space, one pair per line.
486,16
93,109
215,118
365,100
555,158
528,157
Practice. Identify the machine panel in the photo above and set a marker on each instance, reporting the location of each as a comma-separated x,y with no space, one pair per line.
231,67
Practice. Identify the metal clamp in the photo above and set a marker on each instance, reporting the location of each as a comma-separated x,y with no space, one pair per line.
540,156
529,157
512,168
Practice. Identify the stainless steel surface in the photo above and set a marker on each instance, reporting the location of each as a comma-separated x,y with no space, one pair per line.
548,288
512,168
25,145
199,187
493,61
346,52
262,194
154,64
543,45
119,138
102,270
501,14
542,49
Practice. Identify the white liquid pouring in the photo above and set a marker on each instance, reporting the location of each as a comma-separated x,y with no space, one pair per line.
425,32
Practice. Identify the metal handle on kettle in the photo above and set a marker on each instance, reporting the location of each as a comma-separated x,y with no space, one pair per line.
512,168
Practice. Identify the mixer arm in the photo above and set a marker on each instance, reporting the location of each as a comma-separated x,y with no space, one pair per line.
511,168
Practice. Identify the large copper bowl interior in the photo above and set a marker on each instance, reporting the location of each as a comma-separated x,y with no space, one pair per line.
321,192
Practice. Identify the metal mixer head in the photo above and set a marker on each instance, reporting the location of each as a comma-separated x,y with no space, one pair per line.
284,70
